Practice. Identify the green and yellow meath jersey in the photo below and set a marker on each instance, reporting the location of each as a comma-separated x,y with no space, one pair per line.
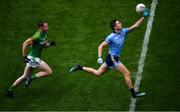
39,39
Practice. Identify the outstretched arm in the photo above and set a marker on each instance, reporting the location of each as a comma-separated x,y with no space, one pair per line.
140,21
137,24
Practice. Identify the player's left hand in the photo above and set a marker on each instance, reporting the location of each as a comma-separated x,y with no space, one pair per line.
53,43
146,13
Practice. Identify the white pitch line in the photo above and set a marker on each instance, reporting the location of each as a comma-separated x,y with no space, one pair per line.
143,54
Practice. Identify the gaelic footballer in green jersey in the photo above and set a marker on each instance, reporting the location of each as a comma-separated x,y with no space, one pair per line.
32,59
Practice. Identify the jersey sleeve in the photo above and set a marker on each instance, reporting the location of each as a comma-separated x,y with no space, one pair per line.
108,39
35,36
125,30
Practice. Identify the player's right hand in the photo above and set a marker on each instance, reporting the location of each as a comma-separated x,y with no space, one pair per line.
100,60
25,59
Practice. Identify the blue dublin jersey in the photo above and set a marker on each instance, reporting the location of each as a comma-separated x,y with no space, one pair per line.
116,41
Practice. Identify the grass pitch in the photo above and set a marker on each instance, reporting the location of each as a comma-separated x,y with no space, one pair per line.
78,27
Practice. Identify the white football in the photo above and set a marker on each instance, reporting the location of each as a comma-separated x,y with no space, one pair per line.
140,8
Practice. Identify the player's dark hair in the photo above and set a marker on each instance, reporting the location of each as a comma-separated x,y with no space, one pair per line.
113,23
41,23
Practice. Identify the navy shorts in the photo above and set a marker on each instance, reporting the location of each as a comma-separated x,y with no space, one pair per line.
112,61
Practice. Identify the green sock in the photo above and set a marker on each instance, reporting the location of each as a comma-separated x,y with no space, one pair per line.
33,77
12,88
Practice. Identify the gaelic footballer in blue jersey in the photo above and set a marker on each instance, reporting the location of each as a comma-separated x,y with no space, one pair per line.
115,41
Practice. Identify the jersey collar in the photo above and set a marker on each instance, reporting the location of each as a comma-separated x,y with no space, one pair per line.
117,32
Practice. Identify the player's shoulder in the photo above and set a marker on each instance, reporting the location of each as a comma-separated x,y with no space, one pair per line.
110,35
109,38
125,30
37,32
36,35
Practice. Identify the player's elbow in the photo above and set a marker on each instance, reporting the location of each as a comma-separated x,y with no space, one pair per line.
25,44
101,46
28,42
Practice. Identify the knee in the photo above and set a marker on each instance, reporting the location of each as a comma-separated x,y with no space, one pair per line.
49,72
98,73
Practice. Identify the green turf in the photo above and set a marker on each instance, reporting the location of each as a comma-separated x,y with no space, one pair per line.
78,27
161,73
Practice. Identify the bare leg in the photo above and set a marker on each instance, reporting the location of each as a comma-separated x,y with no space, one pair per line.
121,68
102,69
45,70
27,72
